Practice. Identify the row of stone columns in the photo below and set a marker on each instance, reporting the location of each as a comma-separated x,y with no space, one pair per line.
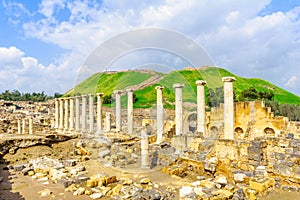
22,126
62,113
67,118
201,117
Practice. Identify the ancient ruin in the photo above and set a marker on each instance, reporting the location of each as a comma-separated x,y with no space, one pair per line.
236,151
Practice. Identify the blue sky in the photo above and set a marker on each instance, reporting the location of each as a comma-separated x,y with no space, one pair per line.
44,43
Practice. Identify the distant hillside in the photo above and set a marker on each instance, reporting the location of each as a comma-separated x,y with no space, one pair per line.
144,82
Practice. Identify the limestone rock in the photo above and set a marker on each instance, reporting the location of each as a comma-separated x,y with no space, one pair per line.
145,181
79,191
96,196
44,193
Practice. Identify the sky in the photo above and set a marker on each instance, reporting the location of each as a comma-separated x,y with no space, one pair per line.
43,44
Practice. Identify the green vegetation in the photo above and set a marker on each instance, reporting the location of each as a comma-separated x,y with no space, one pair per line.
146,97
108,82
15,95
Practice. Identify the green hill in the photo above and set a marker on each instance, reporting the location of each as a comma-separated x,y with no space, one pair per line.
144,83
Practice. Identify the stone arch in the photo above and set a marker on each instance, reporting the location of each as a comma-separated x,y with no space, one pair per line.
214,131
269,131
239,133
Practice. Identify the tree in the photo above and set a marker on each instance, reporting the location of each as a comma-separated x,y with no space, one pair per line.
107,99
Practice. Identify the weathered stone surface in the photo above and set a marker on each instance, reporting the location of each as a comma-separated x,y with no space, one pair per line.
45,193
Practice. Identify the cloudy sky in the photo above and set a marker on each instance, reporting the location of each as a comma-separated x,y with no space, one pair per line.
44,43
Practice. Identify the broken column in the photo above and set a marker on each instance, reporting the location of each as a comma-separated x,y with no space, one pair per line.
178,108
107,121
56,113
23,126
118,110
159,113
61,114
19,126
83,113
77,113
91,113
30,125
228,108
66,100
145,163
130,111
201,125
99,112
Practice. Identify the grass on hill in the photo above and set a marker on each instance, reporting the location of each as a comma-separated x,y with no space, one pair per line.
106,83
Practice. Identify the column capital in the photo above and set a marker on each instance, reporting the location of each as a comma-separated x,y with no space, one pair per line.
159,87
77,97
100,94
83,95
130,90
178,85
200,82
228,79
90,95
117,92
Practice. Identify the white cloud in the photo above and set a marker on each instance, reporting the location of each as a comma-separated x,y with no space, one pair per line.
234,33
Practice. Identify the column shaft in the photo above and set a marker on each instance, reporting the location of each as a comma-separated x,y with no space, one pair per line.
66,100
159,113
19,126
107,121
77,113
83,114
228,108
130,111
56,113
23,126
118,110
91,113
71,128
178,108
61,114
99,112
201,124
30,125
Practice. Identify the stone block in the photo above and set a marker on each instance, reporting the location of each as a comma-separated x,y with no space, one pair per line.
283,170
289,136
261,186
279,156
295,143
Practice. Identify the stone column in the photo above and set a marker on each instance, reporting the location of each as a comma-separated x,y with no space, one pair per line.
107,121
178,108
61,113
228,108
30,125
19,126
23,126
91,113
83,113
118,110
99,112
77,113
130,111
159,113
66,100
71,128
56,113
201,125
145,163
